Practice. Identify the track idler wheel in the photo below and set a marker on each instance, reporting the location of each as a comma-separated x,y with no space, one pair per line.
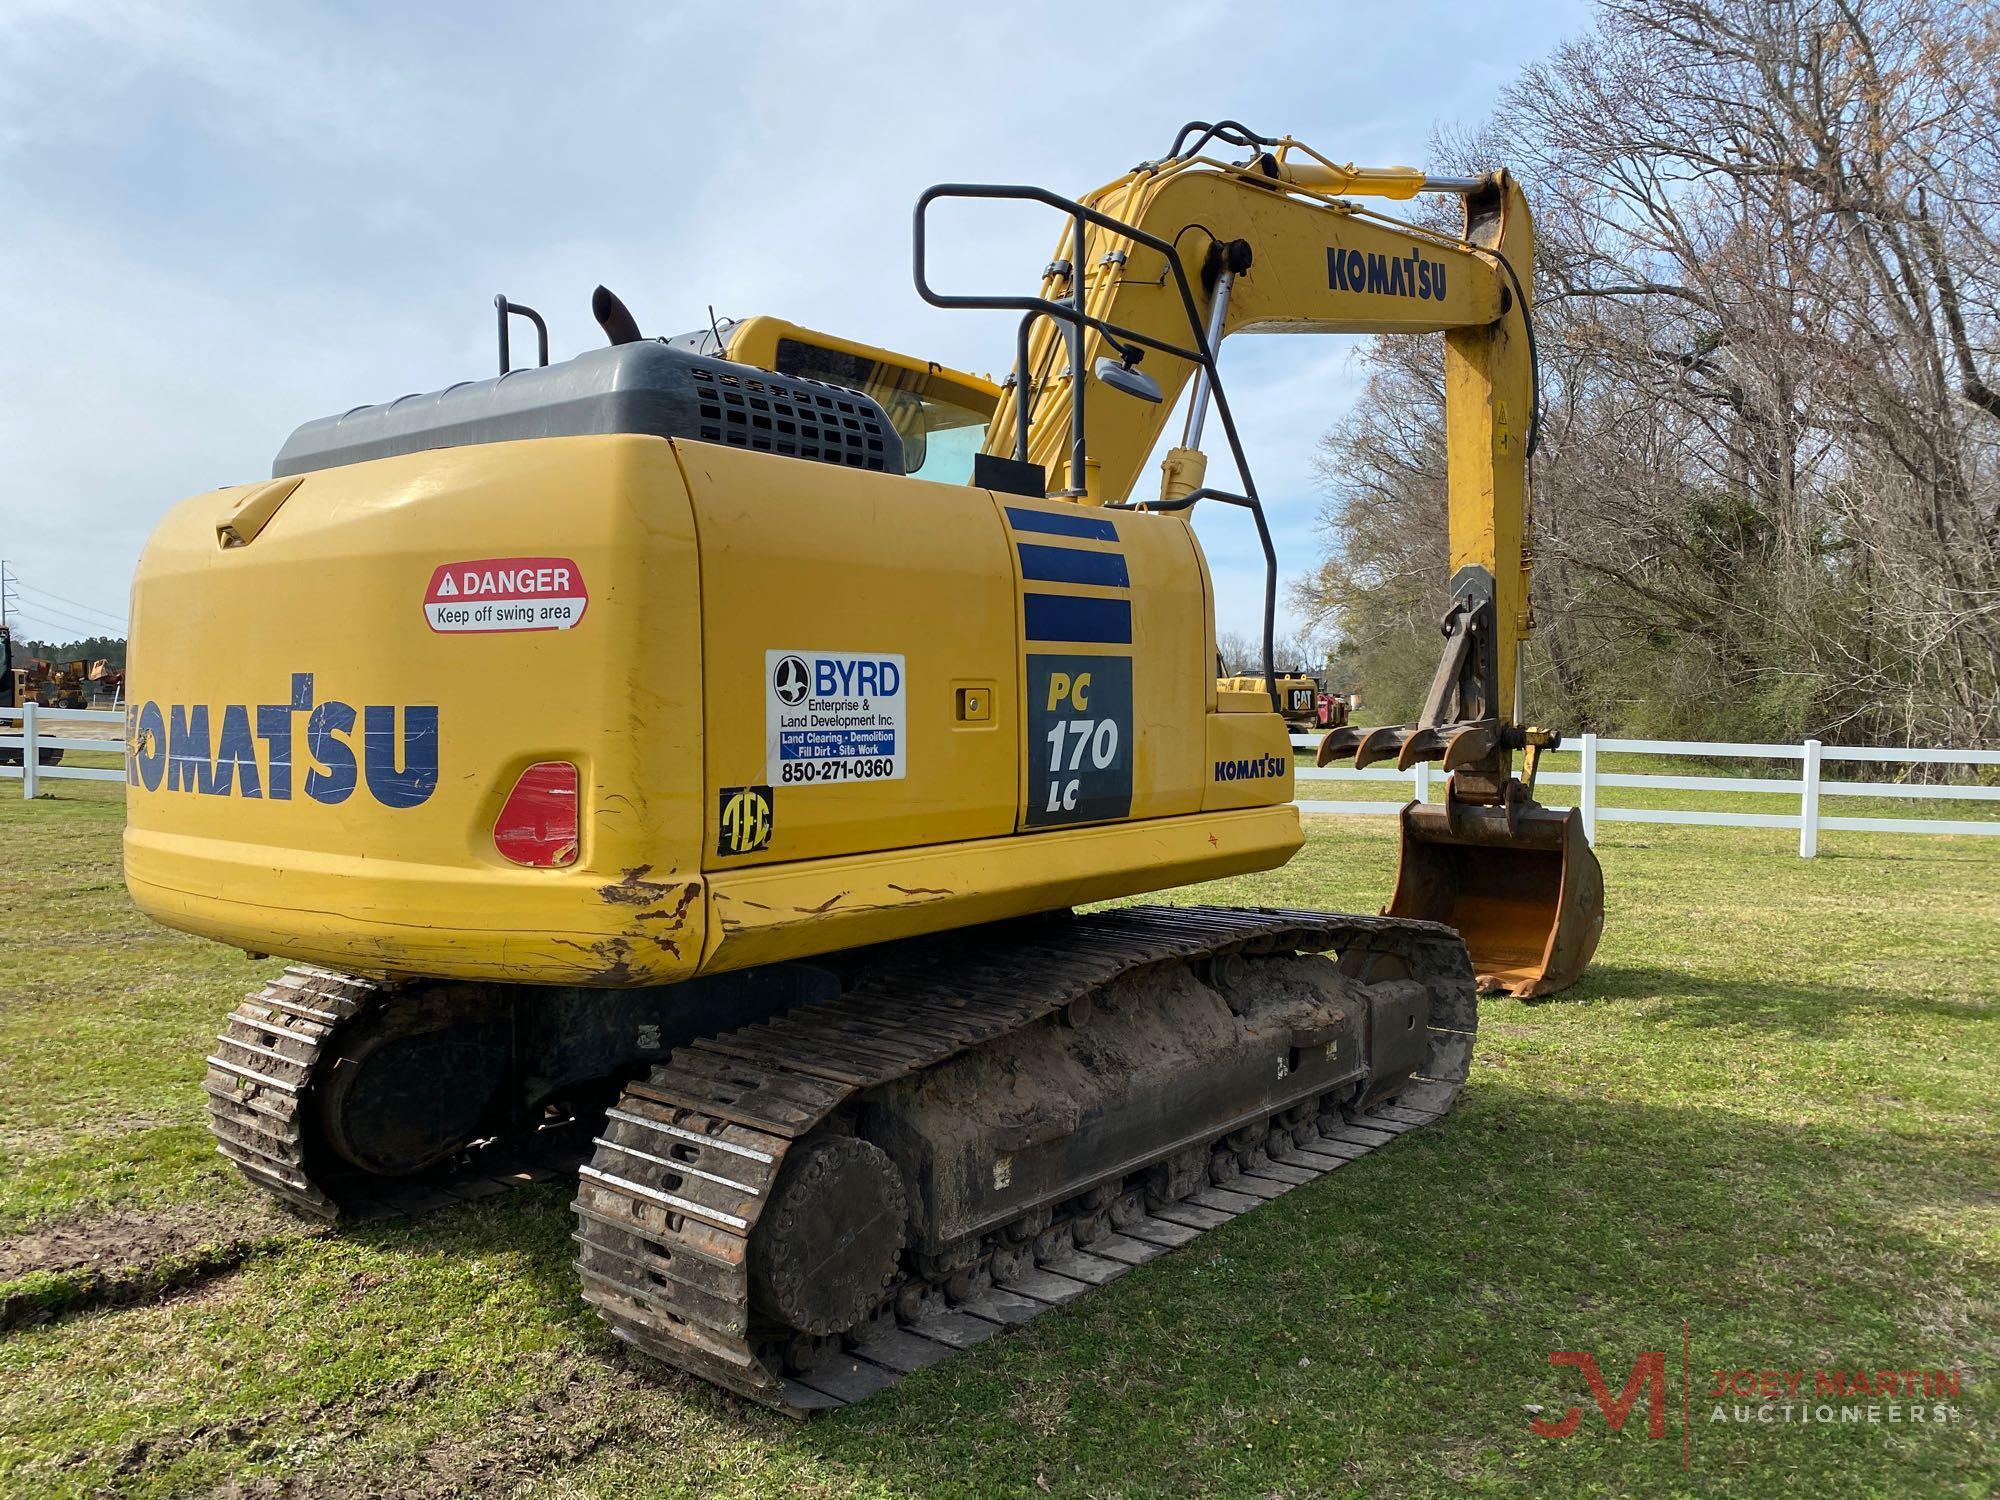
414,1083
825,1252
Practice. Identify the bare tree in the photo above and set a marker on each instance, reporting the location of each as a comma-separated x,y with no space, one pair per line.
1236,654
1768,500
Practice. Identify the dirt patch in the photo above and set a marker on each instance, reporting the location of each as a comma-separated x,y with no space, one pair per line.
32,1143
347,1418
583,1404
90,1260
131,1237
588,1405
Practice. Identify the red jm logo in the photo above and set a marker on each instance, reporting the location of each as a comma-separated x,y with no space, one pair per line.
1650,1372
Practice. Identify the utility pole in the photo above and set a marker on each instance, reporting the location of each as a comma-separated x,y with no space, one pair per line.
7,599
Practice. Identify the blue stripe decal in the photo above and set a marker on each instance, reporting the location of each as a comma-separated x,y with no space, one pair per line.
1071,617
1073,565
1091,528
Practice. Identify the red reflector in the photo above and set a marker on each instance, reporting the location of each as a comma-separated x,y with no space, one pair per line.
537,826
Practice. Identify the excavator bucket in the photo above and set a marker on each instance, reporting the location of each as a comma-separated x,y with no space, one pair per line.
1526,893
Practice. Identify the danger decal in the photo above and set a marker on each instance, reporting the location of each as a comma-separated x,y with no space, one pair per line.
506,593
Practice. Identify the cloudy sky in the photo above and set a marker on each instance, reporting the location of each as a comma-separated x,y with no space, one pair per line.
221,220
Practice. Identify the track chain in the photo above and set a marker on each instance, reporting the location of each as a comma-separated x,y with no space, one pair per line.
668,1205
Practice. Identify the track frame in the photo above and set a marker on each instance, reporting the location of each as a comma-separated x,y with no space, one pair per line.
668,1206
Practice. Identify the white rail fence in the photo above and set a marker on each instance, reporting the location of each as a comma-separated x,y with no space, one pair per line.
27,730
1807,788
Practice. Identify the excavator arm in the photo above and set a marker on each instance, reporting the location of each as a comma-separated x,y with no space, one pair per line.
1154,271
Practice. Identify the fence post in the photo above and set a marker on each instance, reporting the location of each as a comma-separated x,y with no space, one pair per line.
1589,779
1809,802
31,759
1421,781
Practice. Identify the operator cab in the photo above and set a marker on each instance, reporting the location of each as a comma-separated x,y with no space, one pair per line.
941,414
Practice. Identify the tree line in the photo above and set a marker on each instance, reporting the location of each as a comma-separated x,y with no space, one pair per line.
92,648
1767,498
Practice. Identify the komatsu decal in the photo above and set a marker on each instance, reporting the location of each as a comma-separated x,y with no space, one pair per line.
214,752
1251,768
1385,275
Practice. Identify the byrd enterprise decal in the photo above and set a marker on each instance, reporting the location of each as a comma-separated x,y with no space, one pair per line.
189,748
745,819
1079,739
833,716
506,593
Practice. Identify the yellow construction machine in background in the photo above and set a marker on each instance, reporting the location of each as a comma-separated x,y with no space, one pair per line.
1298,695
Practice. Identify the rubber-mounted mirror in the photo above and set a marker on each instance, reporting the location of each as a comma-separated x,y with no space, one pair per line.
1127,379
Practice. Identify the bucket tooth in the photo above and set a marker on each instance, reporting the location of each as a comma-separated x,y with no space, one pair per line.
1380,744
1423,744
1454,744
1337,742
1468,746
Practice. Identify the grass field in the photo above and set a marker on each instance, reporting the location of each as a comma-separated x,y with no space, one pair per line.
1767,1116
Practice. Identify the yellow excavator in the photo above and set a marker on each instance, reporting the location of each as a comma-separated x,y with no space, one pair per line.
1298,695
880,672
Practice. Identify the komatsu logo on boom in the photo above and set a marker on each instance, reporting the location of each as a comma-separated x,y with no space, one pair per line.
214,753
1387,275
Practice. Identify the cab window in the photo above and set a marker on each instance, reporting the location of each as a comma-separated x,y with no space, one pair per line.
940,435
